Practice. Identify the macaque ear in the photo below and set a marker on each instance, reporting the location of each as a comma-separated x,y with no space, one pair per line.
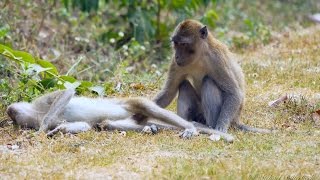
204,32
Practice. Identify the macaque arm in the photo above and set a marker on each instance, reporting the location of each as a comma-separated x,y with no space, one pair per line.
232,98
170,89
73,128
60,100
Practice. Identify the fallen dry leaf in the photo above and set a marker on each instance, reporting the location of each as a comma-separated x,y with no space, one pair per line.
278,101
316,117
137,86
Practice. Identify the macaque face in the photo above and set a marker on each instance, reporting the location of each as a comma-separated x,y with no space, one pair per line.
187,40
23,114
184,50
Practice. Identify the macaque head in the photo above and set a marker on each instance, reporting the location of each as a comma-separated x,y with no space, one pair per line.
23,114
187,41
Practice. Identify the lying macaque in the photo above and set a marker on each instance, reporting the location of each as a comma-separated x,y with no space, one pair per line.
61,111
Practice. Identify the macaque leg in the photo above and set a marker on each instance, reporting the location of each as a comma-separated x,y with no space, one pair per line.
122,125
128,124
211,101
72,127
188,105
60,100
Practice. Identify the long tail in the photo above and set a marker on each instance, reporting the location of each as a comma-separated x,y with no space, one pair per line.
244,127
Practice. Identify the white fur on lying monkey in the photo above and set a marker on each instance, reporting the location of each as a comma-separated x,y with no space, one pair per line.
60,111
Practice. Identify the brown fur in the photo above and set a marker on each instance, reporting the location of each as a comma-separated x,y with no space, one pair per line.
199,56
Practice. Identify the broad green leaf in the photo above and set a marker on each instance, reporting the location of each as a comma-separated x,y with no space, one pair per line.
68,78
18,56
47,64
48,83
8,52
26,57
86,84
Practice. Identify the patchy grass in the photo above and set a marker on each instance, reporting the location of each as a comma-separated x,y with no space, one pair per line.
289,65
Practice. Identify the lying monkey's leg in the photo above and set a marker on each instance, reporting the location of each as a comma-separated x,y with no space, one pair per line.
206,130
72,127
200,127
150,109
60,100
188,103
152,129
211,100
122,125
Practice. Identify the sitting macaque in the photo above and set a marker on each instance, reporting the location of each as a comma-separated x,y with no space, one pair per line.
207,78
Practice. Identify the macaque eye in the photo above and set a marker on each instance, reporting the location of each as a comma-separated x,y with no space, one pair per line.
183,44
190,51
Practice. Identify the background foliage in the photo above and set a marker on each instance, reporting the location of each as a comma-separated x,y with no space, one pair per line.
121,46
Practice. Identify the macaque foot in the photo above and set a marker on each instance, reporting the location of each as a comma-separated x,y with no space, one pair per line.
214,137
188,133
152,129
103,125
221,129
218,137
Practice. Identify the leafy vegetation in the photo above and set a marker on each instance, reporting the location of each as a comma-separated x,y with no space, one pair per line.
122,48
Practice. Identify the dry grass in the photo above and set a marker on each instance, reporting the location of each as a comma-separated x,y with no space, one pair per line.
290,65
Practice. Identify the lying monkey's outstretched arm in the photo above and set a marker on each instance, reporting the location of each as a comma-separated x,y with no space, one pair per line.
70,127
59,101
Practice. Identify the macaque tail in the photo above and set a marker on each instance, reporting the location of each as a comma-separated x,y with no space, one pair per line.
244,127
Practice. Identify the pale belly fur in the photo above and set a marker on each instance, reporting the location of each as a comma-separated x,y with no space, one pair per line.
94,110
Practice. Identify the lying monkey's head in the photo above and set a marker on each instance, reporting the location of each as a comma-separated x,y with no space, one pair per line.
188,39
23,114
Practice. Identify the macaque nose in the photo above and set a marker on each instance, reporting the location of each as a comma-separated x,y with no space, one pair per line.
11,112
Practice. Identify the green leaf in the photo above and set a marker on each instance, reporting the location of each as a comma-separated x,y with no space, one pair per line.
68,79
18,56
48,83
86,84
26,57
249,23
3,32
47,64
6,51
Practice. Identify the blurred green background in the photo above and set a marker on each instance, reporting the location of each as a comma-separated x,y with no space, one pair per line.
125,44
